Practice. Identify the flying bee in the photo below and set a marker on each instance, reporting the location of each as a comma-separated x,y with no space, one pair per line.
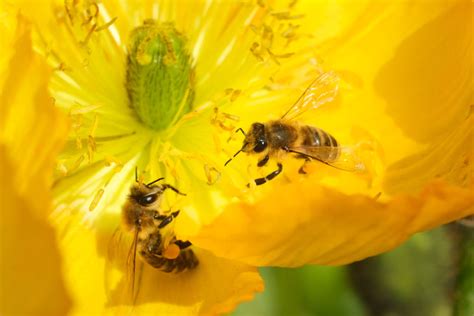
141,214
274,139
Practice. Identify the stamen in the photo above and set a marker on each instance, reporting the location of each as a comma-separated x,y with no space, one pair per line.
76,164
220,119
94,126
91,143
292,3
88,36
286,15
91,147
267,37
255,49
212,174
112,28
106,25
235,94
96,200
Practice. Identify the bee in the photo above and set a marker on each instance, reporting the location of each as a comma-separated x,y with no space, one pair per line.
141,215
276,138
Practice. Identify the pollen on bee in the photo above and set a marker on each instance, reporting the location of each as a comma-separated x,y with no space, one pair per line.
171,252
95,201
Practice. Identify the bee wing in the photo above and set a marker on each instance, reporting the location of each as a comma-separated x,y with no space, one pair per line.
321,91
347,158
122,256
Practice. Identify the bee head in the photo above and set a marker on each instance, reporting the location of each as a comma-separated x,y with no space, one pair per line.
255,140
145,195
142,201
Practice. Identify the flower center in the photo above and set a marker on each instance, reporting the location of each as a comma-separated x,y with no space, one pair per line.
160,77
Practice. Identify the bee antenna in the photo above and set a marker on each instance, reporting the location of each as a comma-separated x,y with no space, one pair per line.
136,174
241,130
230,159
155,181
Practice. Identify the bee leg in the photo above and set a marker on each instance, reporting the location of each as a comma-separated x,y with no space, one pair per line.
153,244
269,177
167,219
263,162
301,169
183,244
165,186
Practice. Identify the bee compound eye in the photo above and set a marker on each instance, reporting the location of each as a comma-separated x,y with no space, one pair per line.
148,199
260,146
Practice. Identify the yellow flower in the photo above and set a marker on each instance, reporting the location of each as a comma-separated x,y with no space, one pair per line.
30,264
403,102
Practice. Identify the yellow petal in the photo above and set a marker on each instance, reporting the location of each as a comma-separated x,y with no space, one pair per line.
31,263
31,132
410,79
32,128
215,287
7,26
317,225
449,158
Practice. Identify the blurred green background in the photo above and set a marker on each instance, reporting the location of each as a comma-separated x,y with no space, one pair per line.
431,274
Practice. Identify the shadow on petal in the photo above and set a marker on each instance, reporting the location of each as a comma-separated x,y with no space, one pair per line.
450,159
427,83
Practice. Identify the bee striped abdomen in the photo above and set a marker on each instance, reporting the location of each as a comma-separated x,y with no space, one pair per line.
313,137
185,260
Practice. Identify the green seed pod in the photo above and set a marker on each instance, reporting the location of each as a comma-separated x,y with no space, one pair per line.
160,77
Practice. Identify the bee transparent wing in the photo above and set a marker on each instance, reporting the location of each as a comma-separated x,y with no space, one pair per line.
341,157
122,256
131,280
321,91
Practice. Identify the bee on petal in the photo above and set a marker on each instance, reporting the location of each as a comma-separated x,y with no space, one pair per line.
274,139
